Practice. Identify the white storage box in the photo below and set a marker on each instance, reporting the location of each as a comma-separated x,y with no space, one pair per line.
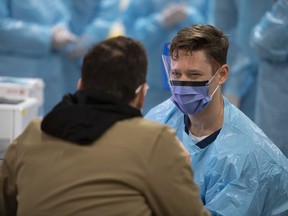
15,115
20,88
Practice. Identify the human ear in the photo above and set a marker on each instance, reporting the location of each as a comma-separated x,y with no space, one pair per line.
138,101
79,84
224,72
141,98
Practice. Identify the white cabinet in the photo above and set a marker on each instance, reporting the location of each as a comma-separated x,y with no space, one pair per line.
14,118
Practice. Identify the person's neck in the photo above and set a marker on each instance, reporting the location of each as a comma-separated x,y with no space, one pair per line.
210,119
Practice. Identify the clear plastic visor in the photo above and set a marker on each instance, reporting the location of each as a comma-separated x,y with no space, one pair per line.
167,61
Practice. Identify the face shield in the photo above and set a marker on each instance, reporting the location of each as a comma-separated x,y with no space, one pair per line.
166,59
189,96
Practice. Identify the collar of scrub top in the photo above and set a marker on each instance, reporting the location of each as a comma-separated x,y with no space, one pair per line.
205,142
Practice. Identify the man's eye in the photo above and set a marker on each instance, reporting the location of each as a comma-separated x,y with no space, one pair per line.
193,75
175,74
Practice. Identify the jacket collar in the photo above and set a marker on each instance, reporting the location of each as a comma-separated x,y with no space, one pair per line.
84,116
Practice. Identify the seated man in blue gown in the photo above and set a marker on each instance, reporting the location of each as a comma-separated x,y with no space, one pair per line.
238,169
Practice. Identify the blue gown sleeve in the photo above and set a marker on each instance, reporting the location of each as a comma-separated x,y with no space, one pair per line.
24,37
224,14
142,21
143,24
270,37
107,14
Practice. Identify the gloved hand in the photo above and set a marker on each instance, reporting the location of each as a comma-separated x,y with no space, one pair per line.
116,29
79,48
173,15
61,37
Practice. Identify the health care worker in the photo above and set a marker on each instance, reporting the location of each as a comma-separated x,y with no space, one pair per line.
237,18
270,43
33,36
91,21
238,169
153,23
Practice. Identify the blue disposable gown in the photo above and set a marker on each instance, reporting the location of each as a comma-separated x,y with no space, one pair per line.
203,6
242,172
237,18
25,43
270,43
91,22
141,21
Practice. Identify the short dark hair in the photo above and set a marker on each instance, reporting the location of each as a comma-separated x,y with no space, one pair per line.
116,66
201,37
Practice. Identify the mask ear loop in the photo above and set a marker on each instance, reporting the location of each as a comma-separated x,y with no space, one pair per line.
211,80
214,91
214,75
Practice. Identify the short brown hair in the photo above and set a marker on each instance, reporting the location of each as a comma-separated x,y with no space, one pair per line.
201,37
116,66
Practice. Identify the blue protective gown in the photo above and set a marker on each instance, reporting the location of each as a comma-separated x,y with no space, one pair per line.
237,18
204,8
91,22
25,43
241,173
270,43
141,20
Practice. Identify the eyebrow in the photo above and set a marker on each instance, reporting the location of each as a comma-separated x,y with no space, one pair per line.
187,71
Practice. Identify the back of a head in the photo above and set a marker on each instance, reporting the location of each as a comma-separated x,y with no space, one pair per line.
201,37
116,66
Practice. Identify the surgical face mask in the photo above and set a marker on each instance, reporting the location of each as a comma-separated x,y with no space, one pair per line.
191,96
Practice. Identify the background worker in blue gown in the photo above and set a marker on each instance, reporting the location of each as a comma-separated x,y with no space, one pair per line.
237,18
153,23
238,169
33,37
204,8
270,43
91,21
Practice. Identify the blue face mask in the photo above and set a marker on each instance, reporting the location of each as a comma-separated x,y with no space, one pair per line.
191,96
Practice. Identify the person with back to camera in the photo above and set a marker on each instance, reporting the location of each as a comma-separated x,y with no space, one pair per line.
238,169
96,153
